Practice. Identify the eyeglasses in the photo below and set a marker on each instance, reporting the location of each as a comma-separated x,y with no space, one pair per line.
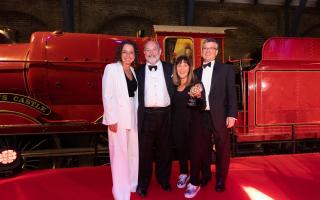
209,48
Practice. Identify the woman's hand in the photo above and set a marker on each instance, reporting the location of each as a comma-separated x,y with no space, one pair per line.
195,91
113,127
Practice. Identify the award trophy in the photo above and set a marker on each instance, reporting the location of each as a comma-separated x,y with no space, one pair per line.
196,100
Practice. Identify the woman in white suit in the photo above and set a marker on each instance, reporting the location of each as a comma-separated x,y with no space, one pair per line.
119,94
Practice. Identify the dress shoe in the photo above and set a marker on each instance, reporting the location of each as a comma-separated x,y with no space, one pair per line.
166,187
204,182
220,185
142,191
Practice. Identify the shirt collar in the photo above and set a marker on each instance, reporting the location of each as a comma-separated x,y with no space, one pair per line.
212,65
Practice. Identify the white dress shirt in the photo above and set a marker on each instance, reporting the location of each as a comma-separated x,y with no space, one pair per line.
156,92
206,81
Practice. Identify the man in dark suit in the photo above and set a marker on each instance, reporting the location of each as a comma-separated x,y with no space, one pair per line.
219,115
154,118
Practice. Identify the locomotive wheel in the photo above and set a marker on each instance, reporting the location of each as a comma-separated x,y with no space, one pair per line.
101,148
34,150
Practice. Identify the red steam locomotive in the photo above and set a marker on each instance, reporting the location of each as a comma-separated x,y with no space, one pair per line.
51,86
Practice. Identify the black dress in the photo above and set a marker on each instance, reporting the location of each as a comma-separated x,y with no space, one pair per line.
181,115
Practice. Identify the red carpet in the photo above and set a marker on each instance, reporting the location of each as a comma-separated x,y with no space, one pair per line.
283,177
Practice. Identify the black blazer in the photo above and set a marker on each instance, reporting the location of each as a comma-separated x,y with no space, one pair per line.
222,95
140,74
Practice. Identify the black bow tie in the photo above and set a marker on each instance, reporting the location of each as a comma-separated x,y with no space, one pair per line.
207,65
152,67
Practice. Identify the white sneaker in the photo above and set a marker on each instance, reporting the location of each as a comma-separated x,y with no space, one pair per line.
182,180
191,191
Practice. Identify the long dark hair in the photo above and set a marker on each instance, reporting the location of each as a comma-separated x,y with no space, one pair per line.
175,77
120,47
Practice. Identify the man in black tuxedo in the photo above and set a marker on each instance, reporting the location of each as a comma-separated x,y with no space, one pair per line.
219,115
154,118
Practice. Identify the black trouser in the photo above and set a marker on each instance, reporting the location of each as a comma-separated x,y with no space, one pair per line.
201,147
222,146
181,134
155,132
183,157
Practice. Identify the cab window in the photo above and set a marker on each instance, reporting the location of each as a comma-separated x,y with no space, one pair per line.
177,46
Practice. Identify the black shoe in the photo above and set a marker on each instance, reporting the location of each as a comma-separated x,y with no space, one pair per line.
142,191
166,187
220,185
204,182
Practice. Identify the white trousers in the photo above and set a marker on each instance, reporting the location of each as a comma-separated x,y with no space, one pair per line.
124,159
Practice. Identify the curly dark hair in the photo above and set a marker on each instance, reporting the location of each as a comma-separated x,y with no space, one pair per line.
120,47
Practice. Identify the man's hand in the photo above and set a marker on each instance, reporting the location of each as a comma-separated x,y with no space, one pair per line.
230,122
113,127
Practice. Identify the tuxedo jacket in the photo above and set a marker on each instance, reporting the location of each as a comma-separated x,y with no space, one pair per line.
140,73
222,94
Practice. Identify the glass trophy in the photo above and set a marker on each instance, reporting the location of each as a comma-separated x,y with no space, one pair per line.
196,99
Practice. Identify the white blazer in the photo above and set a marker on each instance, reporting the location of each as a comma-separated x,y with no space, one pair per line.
116,101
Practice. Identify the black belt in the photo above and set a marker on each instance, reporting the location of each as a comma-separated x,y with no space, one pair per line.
157,108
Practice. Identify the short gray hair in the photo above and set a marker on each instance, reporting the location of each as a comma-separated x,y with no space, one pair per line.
207,40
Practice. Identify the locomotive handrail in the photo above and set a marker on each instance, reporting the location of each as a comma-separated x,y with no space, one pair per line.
65,152
52,129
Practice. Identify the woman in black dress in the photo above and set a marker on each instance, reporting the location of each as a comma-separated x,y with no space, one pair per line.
183,78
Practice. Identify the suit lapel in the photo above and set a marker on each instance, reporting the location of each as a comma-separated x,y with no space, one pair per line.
199,73
122,83
167,75
134,75
143,81
133,72
215,71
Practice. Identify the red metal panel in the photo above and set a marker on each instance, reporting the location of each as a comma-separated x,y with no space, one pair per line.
283,94
12,68
265,134
287,97
307,131
72,47
292,49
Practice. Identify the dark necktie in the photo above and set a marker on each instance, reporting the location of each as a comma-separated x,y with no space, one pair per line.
152,67
207,65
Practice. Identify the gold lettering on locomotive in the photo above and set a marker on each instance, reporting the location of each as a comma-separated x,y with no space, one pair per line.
37,106
4,97
27,102
24,100
21,100
43,109
15,98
